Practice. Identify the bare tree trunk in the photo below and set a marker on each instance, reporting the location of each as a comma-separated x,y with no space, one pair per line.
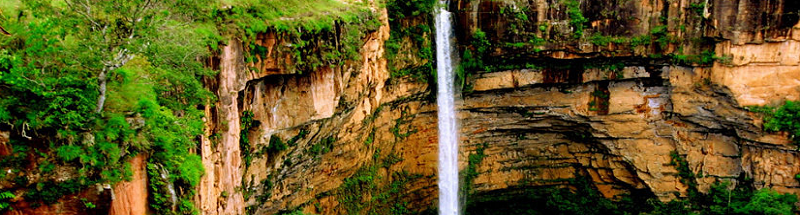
101,100
122,57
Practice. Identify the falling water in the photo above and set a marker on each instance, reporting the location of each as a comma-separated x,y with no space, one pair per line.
164,173
448,134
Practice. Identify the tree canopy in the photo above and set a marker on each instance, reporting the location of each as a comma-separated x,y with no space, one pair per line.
97,82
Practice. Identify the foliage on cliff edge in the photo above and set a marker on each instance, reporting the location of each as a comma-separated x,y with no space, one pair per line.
310,34
86,85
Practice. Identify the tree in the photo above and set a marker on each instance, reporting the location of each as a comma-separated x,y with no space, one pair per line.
77,75
116,31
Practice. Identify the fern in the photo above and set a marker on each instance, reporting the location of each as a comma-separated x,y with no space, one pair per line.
7,195
69,152
4,197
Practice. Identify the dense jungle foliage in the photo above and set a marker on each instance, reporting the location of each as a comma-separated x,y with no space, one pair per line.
86,85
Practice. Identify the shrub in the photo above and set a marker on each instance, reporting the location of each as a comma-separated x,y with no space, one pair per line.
576,19
191,169
49,192
69,153
767,201
276,144
785,118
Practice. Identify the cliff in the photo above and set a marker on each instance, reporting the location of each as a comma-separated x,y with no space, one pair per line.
549,105
624,94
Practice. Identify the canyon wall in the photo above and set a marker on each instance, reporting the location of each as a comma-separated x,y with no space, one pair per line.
351,128
607,90
614,98
541,130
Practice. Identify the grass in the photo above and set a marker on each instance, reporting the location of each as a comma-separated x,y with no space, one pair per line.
8,8
286,15
315,33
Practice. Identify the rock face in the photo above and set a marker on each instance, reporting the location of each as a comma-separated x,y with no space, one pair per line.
130,197
284,105
608,90
322,136
222,157
73,204
533,138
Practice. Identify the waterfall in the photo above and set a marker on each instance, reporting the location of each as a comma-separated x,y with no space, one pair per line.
448,131
164,173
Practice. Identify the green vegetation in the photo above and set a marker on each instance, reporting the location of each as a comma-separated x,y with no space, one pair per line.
471,172
468,65
472,59
402,129
722,199
599,39
295,212
697,8
5,196
323,146
705,58
246,123
90,84
785,118
266,186
582,198
377,187
370,138
599,100
686,176
521,40
741,200
766,201
519,19
88,204
312,33
576,19
401,57
362,182
276,144
171,144
49,192
424,51
361,194
662,37
300,135
290,15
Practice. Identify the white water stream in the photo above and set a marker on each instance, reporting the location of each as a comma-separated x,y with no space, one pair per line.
448,131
